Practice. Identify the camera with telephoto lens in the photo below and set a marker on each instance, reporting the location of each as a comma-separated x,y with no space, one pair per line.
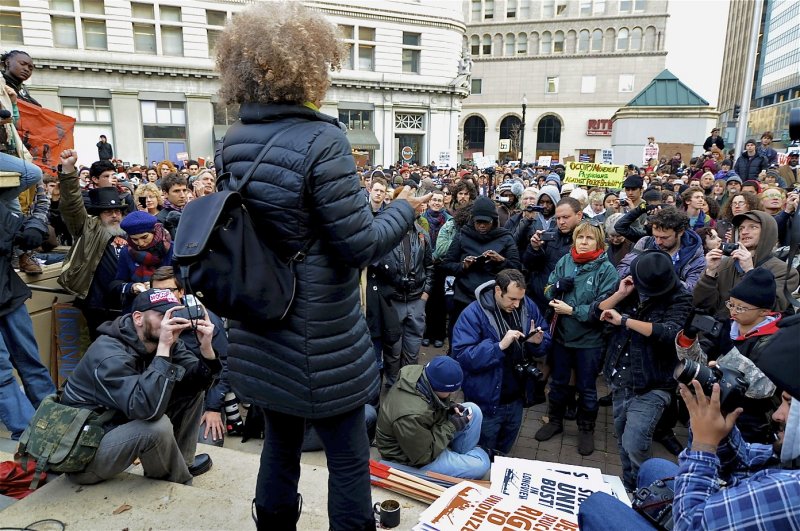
732,384
527,369
192,309
728,248
409,281
534,208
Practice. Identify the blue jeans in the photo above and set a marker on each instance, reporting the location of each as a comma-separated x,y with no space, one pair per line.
599,509
18,350
462,458
347,450
635,419
499,431
586,362
29,174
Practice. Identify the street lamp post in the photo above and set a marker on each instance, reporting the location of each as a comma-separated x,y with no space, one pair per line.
522,132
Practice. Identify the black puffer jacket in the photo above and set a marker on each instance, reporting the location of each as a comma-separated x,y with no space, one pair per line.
408,281
318,362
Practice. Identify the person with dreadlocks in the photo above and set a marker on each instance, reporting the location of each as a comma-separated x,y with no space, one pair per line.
17,69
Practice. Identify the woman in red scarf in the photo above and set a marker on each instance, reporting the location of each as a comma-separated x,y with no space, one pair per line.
581,279
149,247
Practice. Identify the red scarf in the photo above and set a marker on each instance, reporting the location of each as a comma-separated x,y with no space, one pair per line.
585,258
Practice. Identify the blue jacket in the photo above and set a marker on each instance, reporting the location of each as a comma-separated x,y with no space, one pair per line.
691,259
476,346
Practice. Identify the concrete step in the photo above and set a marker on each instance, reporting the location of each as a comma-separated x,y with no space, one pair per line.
218,499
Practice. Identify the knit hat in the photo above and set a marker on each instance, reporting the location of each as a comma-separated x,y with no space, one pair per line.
756,288
138,222
733,178
773,173
483,210
513,186
159,300
653,273
566,188
554,178
444,374
754,184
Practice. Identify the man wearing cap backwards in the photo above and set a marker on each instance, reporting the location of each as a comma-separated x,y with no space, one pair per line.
721,481
646,312
134,368
420,426
91,263
757,234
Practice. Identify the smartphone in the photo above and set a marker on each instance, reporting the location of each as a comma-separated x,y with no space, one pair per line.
143,202
532,333
466,412
548,236
481,258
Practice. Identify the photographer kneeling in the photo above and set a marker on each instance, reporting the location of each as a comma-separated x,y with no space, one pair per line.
752,323
723,482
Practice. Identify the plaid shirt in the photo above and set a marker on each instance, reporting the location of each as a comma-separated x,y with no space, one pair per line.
734,489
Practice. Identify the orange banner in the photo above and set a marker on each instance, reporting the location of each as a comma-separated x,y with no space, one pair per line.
45,133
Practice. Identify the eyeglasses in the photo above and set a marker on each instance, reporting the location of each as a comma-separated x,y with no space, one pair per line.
735,308
738,203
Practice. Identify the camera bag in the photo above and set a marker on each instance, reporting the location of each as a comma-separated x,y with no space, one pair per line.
61,438
222,259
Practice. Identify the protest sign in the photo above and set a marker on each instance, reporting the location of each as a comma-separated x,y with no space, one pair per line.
46,134
607,156
468,506
593,174
650,152
445,160
544,160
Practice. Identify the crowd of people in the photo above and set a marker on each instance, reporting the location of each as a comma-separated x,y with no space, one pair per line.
533,284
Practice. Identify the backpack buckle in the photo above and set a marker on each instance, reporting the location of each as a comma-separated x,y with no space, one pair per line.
299,256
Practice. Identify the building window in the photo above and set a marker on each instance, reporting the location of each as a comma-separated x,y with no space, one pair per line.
599,7
94,34
356,119
586,8
144,11
597,40
622,40
488,10
97,110
62,5
583,41
524,9
548,8
144,38
588,84
9,3
408,121
487,45
625,6
225,114
552,85
169,14
476,86
93,7
511,9
561,8
64,34
522,44
558,42
547,43
511,44
475,45
411,56
216,18
474,133
476,10
212,36
163,112
11,28
172,40
360,44
626,82
636,40
366,57
639,5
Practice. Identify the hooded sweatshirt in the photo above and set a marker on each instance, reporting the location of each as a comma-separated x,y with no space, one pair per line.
689,265
711,292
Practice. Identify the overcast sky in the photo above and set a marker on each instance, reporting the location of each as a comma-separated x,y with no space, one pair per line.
696,42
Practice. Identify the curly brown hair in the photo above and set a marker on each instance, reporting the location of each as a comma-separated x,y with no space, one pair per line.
277,54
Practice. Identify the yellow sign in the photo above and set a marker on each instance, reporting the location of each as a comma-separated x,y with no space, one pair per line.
594,174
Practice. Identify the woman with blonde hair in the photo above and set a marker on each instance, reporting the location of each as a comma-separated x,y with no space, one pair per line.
153,198
316,366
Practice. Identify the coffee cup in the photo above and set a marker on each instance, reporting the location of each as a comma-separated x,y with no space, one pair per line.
389,513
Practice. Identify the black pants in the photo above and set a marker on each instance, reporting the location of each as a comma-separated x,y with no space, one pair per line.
435,311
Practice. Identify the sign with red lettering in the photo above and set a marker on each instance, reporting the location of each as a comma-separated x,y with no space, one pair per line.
46,134
599,128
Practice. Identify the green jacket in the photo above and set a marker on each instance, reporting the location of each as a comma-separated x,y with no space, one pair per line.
444,239
89,234
594,282
413,426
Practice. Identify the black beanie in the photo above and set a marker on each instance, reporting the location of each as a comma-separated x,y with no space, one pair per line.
483,210
777,356
757,288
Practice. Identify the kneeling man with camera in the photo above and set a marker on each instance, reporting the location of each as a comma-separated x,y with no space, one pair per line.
139,368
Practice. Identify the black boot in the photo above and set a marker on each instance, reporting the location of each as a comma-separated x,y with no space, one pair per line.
586,421
280,520
606,401
554,426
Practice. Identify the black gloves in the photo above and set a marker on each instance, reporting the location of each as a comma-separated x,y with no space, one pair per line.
459,421
689,331
565,284
29,239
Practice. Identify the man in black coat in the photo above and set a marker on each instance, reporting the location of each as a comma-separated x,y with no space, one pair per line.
714,140
104,149
750,164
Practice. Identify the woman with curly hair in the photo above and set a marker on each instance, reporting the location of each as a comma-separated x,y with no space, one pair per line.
739,203
153,198
165,167
316,366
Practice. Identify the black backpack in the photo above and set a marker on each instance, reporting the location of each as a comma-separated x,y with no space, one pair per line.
220,257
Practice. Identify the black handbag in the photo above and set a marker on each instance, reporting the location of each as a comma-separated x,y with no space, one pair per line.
222,259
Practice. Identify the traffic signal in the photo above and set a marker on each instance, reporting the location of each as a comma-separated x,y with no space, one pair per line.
736,110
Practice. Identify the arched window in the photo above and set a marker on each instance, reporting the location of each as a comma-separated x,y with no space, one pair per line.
597,40
636,40
558,42
486,46
534,43
511,44
622,40
522,44
583,41
474,133
547,43
548,135
510,129
475,45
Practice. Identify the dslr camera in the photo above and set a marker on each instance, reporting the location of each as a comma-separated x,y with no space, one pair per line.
526,369
192,309
409,281
728,248
732,384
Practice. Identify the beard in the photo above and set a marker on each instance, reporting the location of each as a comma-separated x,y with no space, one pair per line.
150,334
114,229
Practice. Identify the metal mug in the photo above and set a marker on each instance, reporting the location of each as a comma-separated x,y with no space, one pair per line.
389,513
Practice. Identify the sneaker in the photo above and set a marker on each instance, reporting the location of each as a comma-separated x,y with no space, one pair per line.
438,343
586,442
606,401
549,430
426,342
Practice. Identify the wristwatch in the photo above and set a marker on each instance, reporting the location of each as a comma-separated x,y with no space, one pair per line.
624,322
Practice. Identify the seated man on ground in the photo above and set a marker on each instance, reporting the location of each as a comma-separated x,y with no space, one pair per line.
140,368
420,426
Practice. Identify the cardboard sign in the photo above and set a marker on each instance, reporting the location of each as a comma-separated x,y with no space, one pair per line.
650,152
593,174
46,134
544,160
446,159
70,341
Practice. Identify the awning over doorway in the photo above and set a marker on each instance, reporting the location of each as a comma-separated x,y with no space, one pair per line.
363,139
